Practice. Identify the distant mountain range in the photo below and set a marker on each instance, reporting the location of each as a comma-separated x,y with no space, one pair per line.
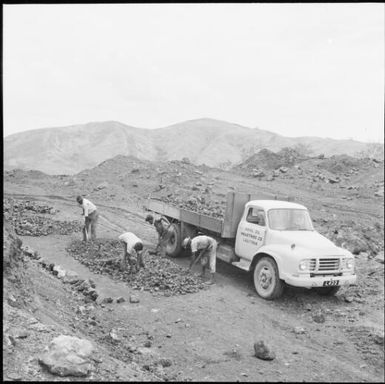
69,150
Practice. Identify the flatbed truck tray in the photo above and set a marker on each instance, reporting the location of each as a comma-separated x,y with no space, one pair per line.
183,215
226,227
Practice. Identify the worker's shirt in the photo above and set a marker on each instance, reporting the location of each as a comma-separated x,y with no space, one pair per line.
130,239
202,242
88,207
161,225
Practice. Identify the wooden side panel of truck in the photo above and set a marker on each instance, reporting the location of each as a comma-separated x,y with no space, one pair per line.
226,228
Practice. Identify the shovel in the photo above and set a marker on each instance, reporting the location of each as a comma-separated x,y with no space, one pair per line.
85,232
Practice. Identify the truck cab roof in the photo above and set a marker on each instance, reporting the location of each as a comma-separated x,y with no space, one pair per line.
271,204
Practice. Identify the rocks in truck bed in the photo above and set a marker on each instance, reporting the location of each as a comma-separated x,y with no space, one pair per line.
198,204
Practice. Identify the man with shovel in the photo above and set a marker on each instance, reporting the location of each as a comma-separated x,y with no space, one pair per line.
207,248
91,215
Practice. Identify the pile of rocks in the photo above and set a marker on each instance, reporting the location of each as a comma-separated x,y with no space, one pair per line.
159,275
15,207
41,226
32,219
268,160
199,204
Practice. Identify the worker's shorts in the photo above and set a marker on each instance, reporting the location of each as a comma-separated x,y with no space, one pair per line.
210,256
137,259
164,236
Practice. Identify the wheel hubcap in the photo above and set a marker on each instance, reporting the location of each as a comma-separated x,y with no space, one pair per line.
265,278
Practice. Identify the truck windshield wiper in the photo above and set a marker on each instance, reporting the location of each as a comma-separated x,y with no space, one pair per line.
297,229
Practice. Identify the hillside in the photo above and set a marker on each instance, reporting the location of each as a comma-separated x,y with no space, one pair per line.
153,325
68,150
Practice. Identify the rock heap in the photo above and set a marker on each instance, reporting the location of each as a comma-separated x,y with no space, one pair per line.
19,206
160,274
32,219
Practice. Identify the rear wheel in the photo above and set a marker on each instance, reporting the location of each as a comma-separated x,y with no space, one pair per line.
266,279
174,243
327,291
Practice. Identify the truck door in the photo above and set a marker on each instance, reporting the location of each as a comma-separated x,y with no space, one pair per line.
251,232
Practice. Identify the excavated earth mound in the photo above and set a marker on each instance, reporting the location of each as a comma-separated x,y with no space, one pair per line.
340,164
159,275
269,160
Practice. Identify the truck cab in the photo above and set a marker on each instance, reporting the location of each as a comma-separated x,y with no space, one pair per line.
276,241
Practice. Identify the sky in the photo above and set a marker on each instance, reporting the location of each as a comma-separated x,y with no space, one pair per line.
292,69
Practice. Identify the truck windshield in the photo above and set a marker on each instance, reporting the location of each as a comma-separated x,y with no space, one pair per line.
290,220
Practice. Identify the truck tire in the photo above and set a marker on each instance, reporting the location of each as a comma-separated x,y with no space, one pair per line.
327,291
174,243
266,279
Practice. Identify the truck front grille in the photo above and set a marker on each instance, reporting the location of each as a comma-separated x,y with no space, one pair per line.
328,265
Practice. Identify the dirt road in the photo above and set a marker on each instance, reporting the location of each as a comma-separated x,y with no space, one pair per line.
209,335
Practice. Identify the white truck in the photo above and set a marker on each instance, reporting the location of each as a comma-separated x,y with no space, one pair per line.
274,239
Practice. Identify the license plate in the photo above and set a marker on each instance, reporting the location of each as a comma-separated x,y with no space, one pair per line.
331,283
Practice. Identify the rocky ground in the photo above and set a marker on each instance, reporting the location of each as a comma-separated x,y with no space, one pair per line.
41,310
63,295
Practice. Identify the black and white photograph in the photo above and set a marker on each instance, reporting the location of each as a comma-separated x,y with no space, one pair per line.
193,192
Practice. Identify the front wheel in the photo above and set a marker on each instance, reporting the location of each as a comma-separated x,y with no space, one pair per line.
266,279
327,291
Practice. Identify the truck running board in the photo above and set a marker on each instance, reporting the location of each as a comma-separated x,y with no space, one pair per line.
242,264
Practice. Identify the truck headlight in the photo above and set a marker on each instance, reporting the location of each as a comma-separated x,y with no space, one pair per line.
303,265
348,263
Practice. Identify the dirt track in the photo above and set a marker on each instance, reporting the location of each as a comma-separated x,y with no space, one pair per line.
209,335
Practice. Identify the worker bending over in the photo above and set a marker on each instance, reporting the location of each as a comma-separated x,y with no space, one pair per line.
91,215
132,251
162,226
203,248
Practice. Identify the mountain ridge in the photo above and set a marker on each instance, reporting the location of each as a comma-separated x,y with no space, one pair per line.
217,143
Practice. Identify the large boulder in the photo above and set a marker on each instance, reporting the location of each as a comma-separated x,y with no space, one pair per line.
262,351
68,356
71,277
59,271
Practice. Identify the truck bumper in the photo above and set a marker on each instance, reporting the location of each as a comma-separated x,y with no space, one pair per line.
319,281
